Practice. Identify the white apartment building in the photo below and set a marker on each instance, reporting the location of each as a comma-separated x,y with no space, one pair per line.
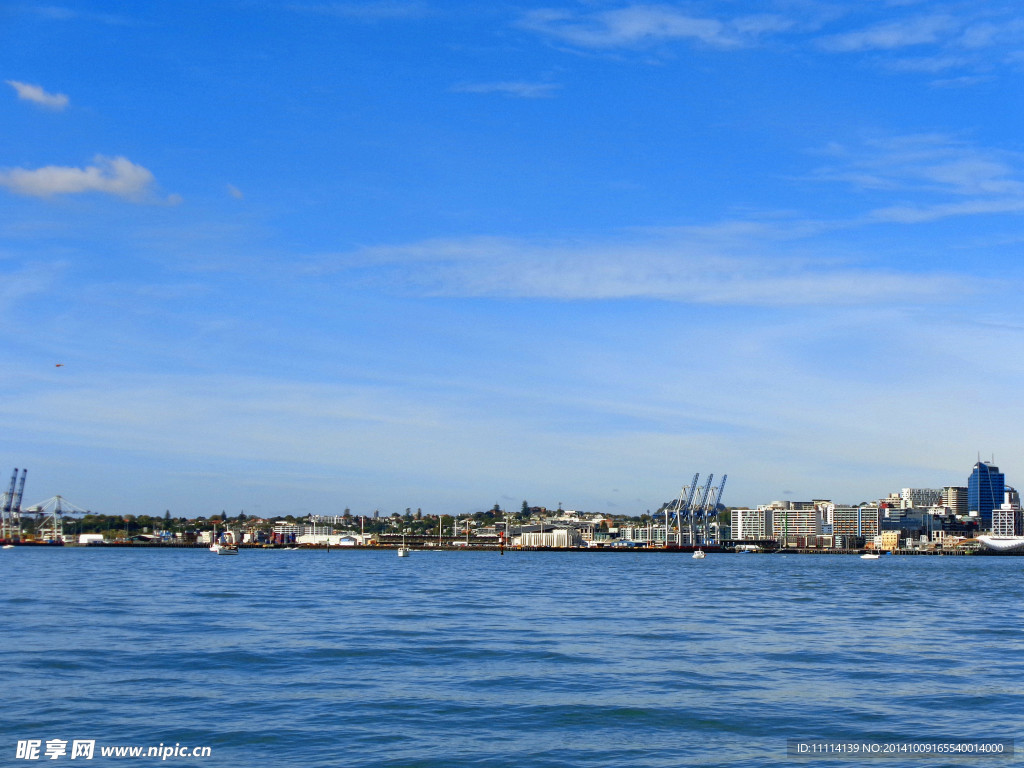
796,523
290,529
559,538
1007,518
751,524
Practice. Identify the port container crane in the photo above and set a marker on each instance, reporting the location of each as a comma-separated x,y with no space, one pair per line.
712,511
699,508
9,497
683,509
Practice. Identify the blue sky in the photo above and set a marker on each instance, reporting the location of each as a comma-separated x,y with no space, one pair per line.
309,256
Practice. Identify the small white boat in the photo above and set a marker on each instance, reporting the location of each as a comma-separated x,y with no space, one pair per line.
699,555
870,556
8,546
226,546
403,551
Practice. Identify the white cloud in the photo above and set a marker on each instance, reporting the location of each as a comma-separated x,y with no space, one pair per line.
966,81
235,192
60,13
25,283
520,90
368,11
735,263
892,35
916,214
633,26
116,176
934,176
928,65
928,163
36,94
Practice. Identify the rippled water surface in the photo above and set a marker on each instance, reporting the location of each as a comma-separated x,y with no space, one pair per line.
346,658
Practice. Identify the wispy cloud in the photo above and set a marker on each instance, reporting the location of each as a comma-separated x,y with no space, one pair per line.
371,11
944,176
928,64
116,176
729,264
972,39
934,161
63,13
964,81
919,30
27,281
632,26
521,90
916,214
36,94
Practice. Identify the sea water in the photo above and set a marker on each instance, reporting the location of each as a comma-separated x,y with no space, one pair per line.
460,658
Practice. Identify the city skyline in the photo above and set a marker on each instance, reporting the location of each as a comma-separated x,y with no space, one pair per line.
291,258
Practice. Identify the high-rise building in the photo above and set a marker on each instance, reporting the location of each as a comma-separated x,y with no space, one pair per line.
1007,518
955,497
919,497
793,526
985,488
751,524
857,521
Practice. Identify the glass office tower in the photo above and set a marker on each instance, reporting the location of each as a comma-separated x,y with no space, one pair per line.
985,492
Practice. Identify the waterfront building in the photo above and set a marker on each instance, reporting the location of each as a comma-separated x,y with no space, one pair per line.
652,535
955,497
911,523
858,522
1007,519
330,519
560,538
585,530
753,524
326,539
794,527
890,540
985,488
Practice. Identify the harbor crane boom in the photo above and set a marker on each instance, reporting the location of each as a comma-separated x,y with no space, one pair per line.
683,509
712,511
9,498
16,505
702,500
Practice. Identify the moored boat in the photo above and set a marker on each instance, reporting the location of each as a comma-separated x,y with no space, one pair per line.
225,545
403,551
